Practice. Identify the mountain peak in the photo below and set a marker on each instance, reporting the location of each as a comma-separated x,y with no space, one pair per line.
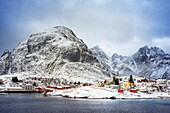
144,49
99,52
151,51
115,55
97,47
59,29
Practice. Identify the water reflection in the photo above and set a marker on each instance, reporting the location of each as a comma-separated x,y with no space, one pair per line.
37,103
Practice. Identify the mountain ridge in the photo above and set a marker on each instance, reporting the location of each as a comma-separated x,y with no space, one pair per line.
57,52
149,62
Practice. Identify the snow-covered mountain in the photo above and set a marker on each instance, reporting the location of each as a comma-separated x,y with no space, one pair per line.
56,52
150,62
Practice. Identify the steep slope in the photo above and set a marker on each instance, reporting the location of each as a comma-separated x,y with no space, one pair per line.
58,53
101,55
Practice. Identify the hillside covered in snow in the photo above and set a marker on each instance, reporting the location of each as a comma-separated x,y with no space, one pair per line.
55,52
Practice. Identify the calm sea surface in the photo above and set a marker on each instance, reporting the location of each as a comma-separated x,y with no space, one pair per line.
37,103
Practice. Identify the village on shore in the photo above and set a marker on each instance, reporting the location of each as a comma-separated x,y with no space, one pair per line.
119,87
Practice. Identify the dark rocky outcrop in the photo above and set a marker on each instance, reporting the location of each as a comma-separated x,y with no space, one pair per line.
5,62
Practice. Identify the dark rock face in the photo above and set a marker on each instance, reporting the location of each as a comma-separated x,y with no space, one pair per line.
5,61
73,55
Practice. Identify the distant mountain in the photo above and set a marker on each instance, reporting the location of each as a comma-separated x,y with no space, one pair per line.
150,62
56,52
99,53
101,56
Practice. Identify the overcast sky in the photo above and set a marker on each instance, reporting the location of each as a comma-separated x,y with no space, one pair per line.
118,26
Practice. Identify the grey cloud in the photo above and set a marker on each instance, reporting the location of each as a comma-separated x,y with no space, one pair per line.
119,26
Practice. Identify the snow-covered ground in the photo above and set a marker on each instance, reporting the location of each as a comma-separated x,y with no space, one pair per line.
22,76
93,92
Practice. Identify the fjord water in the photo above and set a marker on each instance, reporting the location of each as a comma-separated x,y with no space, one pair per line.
37,103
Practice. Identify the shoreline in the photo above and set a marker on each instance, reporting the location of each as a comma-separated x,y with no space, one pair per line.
21,91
